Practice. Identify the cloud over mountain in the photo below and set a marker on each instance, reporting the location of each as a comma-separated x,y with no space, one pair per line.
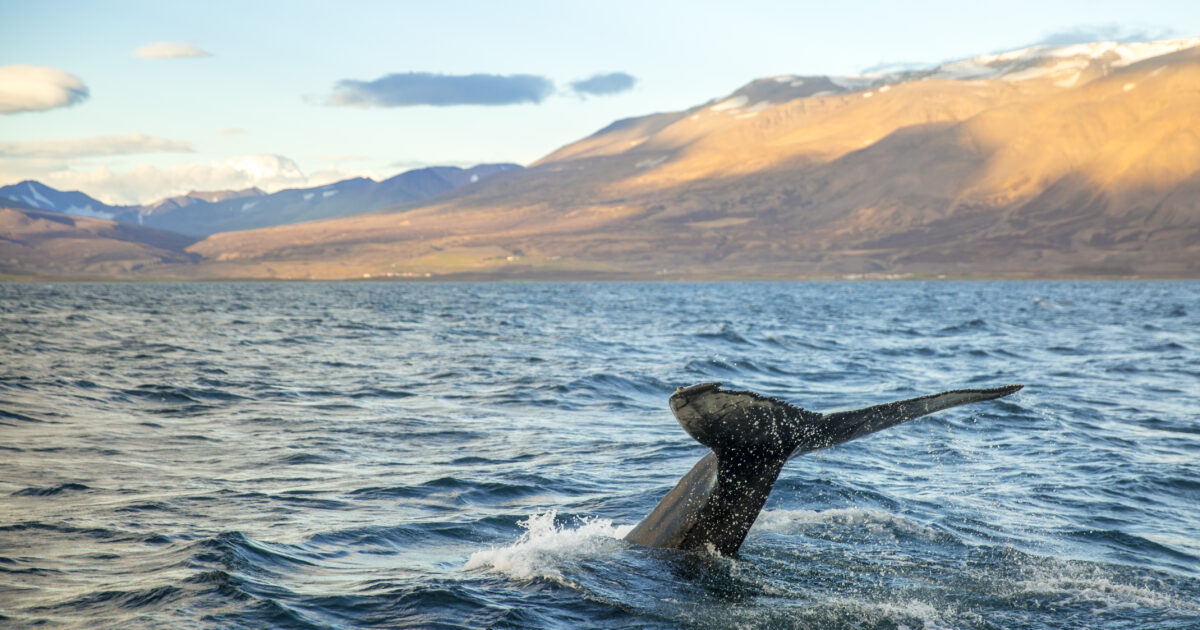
38,88
409,89
169,50
144,182
604,84
1083,34
63,148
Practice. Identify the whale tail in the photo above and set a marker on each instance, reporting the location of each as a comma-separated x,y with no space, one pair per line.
752,437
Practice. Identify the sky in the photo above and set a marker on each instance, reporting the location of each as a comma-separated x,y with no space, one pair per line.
133,101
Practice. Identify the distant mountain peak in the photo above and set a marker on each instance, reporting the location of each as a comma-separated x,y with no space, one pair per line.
35,194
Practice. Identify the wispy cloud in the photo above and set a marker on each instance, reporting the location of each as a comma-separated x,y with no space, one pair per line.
441,90
169,50
37,88
604,84
64,148
1083,34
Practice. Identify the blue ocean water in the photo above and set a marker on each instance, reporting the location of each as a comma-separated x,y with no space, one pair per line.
469,455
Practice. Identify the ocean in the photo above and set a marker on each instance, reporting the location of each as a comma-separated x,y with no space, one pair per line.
461,455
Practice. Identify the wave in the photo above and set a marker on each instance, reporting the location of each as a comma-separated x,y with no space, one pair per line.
50,490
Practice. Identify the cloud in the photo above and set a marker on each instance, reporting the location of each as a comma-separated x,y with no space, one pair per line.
169,50
145,183
1083,34
604,84
441,90
64,148
36,88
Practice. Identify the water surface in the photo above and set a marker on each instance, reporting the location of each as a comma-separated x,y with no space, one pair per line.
469,455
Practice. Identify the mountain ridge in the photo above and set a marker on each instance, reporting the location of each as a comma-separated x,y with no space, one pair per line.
200,213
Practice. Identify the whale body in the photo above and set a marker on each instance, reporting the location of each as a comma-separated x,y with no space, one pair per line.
752,437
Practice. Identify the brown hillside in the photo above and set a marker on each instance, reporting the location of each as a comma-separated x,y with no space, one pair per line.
1029,177
37,242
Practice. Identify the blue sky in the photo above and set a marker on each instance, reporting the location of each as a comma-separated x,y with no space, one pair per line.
302,93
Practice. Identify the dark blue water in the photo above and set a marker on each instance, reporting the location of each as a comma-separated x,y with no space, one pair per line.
469,455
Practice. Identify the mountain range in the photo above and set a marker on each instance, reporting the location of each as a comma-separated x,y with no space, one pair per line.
204,213
1078,160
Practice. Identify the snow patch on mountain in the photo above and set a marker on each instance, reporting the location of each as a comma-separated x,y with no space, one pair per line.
733,103
1065,65
88,211
38,196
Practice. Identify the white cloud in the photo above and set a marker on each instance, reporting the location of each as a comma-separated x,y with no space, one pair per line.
169,50
37,88
63,148
144,183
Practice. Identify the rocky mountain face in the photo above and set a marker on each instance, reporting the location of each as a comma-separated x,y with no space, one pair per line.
1076,160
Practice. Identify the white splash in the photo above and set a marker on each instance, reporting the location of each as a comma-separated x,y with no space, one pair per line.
546,544
1074,583
876,522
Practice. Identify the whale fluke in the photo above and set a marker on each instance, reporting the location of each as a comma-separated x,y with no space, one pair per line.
752,437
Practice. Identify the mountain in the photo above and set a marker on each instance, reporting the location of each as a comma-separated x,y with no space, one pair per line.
347,197
38,195
38,242
179,202
1046,161
203,213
